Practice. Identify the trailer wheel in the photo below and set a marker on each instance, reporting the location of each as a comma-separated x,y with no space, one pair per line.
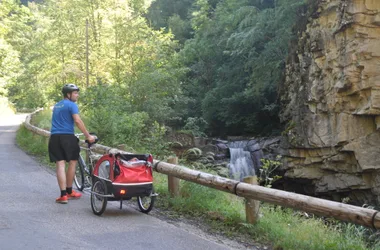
146,203
98,202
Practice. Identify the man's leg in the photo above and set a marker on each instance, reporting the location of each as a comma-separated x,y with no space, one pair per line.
70,173
70,178
61,177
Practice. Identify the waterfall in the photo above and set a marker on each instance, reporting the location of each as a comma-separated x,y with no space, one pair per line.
241,164
245,159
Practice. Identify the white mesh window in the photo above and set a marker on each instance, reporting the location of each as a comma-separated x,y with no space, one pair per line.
104,170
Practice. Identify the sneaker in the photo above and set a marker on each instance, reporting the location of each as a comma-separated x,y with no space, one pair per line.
74,195
62,199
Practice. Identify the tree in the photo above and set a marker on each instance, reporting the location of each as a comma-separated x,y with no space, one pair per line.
14,24
173,16
236,60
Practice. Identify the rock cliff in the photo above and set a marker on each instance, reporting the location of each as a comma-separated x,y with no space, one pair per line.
331,103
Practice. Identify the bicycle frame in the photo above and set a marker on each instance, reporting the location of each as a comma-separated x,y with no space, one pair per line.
88,165
85,168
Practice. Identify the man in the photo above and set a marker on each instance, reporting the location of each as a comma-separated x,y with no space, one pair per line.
63,144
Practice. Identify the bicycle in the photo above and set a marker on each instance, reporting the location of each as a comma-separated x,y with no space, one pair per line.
83,171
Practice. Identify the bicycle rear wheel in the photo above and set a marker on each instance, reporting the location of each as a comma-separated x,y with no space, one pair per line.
79,178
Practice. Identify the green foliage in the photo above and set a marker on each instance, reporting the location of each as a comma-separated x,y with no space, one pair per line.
196,125
295,231
171,14
290,133
266,177
192,154
155,142
13,25
226,73
236,60
42,119
134,131
179,27
46,46
133,70
9,65
5,107
116,128
122,125
32,143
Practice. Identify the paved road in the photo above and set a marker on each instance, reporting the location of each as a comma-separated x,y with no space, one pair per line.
30,218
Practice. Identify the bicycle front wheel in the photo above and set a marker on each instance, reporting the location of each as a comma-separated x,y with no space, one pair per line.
79,179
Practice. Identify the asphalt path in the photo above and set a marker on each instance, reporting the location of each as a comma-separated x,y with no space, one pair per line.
30,218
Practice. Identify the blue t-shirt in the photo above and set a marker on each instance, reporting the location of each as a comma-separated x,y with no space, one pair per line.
62,120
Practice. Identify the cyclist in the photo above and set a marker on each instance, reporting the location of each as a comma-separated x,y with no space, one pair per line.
63,144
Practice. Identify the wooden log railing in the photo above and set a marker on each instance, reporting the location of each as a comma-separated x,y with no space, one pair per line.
358,215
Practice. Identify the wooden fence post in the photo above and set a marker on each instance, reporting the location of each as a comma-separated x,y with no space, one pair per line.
173,182
251,206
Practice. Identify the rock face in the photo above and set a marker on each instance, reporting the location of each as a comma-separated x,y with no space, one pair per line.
331,102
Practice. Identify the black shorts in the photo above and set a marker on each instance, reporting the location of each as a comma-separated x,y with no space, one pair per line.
63,147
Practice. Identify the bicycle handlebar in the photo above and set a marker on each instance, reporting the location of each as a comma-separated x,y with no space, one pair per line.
86,141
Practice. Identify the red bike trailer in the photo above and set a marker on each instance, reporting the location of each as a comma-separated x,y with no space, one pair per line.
118,177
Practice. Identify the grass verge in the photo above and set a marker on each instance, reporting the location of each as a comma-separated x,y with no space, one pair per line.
224,213
34,144
279,227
